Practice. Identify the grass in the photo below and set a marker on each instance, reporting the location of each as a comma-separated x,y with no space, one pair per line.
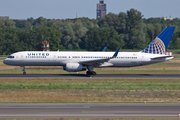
88,96
89,91
91,84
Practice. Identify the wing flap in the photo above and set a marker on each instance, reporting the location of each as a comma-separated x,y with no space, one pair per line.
94,62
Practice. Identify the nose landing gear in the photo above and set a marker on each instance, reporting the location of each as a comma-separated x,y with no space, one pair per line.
24,72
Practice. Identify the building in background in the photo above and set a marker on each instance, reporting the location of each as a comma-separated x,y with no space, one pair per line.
168,18
45,45
4,17
101,9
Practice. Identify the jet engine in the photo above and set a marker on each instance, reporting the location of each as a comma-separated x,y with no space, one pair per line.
74,67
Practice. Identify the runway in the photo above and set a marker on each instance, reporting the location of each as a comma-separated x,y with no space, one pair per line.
84,76
89,110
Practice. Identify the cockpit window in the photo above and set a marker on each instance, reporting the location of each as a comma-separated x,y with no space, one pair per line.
11,57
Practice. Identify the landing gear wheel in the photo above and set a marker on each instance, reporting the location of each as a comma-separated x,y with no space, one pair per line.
88,73
91,73
94,73
24,72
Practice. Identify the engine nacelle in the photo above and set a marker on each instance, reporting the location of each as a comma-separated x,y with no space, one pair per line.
74,67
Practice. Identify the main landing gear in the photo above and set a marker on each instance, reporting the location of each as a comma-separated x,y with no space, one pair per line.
90,71
24,72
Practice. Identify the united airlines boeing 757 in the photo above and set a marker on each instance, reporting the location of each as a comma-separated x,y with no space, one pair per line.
82,61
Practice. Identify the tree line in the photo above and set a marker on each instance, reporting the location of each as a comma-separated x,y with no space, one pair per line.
125,30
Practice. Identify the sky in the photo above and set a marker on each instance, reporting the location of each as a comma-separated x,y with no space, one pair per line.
63,9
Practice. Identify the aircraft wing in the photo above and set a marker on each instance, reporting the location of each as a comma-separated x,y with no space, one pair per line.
99,61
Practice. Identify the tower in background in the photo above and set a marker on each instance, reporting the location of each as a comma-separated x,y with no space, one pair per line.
101,9
45,44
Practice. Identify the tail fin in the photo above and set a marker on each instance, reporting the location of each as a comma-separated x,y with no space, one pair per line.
104,50
160,43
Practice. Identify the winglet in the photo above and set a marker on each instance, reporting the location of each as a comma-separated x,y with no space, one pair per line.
104,50
116,53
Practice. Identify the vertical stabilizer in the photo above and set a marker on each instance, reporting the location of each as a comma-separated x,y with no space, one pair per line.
160,44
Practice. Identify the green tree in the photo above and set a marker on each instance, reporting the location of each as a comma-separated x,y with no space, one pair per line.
10,23
73,35
134,36
175,42
2,23
9,40
57,24
50,33
40,22
122,25
110,20
100,37
150,33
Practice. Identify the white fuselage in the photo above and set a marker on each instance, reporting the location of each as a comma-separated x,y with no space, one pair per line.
58,58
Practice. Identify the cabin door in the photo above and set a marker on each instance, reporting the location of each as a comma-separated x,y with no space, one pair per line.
54,58
21,58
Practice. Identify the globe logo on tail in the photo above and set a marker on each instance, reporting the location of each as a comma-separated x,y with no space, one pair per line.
155,47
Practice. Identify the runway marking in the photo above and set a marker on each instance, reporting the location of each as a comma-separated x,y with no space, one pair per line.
89,110
91,115
99,76
43,107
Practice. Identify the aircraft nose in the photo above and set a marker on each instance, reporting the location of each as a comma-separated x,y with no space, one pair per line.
5,61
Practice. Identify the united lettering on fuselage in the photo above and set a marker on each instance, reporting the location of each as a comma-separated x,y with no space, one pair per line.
38,54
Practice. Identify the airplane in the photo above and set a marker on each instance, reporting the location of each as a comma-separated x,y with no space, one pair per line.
82,61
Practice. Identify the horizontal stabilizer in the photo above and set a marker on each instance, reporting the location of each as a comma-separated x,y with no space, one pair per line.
163,57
